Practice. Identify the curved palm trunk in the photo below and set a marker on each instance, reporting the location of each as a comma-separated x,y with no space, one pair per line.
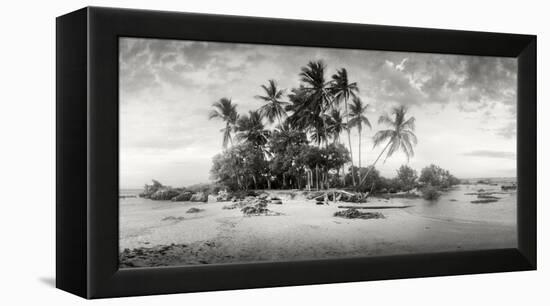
349,142
359,129
369,170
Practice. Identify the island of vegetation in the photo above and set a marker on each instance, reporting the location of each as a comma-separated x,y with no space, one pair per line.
294,141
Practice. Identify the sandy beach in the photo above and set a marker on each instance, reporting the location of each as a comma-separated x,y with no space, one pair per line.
164,234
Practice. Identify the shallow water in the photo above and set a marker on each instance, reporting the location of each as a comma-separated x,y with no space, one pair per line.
138,215
452,205
455,205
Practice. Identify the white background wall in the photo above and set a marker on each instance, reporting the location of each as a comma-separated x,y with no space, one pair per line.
27,152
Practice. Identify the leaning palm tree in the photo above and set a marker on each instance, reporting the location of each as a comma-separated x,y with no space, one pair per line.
225,110
358,118
342,90
274,106
400,135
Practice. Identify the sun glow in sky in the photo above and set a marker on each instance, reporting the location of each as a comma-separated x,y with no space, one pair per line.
465,106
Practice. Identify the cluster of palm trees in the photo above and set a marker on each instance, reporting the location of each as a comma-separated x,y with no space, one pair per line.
323,109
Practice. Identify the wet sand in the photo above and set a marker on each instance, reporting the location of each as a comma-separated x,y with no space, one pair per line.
167,235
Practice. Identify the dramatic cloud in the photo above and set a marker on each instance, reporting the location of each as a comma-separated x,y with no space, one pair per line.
167,88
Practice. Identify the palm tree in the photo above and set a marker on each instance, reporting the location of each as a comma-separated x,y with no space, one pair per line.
335,125
274,107
358,118
310,103
400,135
318,96
225,110
342,90
250,128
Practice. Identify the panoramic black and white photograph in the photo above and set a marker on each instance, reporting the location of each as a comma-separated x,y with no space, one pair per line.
242,153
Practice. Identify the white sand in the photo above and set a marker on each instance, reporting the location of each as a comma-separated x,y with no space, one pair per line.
304,231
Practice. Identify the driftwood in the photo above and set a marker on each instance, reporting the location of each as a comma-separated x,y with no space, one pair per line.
374,207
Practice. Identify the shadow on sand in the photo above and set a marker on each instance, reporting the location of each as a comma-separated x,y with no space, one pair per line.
48,281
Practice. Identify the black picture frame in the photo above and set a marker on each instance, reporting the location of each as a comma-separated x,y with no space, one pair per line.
87,151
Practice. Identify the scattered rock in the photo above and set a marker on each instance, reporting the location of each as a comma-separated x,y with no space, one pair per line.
486,196
172,218
254,210
483,201
232,206
194,210
512,186
353,213
256,207
148,256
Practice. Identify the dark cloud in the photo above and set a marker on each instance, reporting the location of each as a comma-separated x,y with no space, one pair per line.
492,154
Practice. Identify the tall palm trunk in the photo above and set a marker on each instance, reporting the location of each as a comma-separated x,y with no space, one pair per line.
359,150
349,142
372,167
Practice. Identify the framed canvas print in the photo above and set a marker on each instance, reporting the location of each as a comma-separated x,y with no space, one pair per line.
200,152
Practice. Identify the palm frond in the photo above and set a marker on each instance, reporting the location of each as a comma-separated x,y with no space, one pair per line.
366,121
410,136
394,146
386,119
382,136
213,114
409,124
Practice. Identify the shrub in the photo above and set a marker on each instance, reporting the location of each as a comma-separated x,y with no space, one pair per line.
436,176
406,177
430,193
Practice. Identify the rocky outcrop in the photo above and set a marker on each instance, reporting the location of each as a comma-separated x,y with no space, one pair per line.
184,196
199,197
149,190
159,192
223,196
164,194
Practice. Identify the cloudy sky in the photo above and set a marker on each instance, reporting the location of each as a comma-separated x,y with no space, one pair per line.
465,106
